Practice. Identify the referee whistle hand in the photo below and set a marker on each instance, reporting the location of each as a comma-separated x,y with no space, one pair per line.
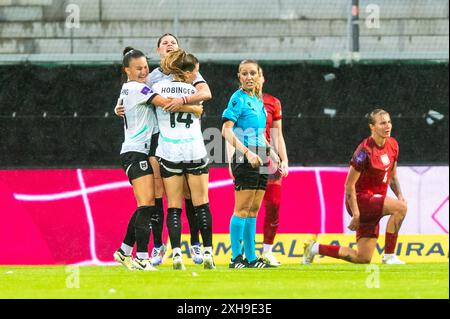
254,159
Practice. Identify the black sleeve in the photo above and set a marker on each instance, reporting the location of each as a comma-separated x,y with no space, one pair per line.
149,101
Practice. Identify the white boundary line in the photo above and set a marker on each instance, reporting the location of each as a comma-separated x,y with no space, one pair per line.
89,217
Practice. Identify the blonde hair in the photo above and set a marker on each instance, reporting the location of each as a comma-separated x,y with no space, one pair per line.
178,62
374,113
258,87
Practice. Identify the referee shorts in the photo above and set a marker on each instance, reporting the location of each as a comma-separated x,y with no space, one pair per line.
245,176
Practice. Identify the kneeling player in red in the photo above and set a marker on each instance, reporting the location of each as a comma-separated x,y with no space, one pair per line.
373,168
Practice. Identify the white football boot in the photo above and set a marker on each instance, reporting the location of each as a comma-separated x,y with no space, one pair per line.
178,262
196,254
158,255
123,259
208,261
143,264
270,259
392,259
308,254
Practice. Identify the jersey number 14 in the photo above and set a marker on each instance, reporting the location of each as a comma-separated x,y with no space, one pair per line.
188,120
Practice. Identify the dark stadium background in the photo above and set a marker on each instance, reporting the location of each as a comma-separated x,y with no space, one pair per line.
62,115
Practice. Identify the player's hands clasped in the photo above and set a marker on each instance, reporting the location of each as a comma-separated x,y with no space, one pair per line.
174,105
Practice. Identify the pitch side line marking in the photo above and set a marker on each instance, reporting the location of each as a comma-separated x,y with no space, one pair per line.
126,184
435,213
90,220
322,202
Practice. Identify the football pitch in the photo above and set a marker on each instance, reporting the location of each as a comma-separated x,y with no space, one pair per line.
287,282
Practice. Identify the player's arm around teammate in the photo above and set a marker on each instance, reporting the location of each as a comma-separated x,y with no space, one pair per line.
183,155
138,129
168,43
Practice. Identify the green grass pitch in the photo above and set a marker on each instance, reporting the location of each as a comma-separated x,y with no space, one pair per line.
288,282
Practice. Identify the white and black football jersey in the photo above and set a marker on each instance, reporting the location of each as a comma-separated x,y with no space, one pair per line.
139,119
180,134
157,75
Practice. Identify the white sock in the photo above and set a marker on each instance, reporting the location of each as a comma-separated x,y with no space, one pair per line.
388,255
127,250
267,248
142,256
176,251
315,248
208,250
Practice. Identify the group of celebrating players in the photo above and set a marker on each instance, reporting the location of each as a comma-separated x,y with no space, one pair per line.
164,152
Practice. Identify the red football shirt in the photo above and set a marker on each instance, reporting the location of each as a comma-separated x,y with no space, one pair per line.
273,108
375,164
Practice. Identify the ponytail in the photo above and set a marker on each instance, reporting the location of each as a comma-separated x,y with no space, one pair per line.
129,53
178,62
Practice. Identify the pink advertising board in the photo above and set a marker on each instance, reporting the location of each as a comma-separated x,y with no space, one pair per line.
80,215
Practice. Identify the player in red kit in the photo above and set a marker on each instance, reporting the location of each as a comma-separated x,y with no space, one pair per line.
373,168
272,197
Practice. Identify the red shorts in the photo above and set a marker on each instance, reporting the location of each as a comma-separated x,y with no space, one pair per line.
371,211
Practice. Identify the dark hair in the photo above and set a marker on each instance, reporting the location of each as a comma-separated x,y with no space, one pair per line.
165,35
375,112
129,53
178,62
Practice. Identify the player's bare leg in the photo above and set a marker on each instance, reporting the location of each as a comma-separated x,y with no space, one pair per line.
396,210
256,203
363,254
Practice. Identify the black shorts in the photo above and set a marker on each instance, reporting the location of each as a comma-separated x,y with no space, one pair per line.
153,145
197,167
135,165
245,176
